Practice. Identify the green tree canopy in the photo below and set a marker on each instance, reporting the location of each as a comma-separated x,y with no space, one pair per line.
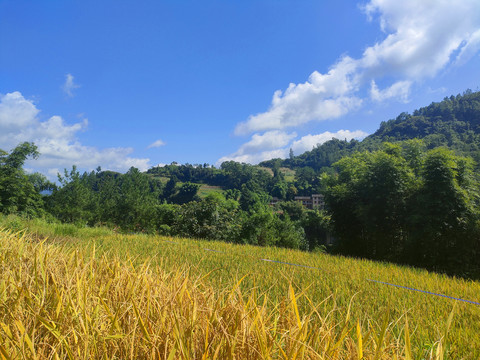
17,192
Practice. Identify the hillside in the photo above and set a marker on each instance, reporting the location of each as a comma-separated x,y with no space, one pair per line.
453,122
212,296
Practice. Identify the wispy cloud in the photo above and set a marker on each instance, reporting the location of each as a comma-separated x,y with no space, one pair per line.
156,144
69,85
57,141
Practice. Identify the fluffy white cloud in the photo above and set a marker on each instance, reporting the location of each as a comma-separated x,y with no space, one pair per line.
268,141
422,38
276,144
156,144
16,113
261,147
308,142
323,96
56,141
399,90
69,85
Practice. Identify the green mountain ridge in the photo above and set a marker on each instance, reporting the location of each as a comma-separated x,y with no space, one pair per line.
453,122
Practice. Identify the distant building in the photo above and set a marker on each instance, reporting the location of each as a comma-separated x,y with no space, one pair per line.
306,201
316,201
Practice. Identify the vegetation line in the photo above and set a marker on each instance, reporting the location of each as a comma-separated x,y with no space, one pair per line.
426,292
371,280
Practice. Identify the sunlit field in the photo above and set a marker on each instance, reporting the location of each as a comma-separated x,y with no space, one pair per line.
69,292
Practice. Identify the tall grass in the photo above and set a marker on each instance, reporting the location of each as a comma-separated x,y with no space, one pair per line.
57,304
124,292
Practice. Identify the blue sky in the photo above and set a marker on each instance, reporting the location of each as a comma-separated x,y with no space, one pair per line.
141,83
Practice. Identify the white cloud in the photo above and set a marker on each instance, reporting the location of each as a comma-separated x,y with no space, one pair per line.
268,141
308,142
261,147
156,144
323,96
69,85
422,38
256,157
16,112
56,141
265,147
399,90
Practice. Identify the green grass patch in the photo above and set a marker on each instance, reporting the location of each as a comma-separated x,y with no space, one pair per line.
288,174
205,190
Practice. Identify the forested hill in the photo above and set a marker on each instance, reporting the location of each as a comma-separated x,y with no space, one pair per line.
453,122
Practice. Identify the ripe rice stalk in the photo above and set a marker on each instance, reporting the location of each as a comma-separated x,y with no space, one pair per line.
71,302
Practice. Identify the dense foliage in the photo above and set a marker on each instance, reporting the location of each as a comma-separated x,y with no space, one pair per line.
138,202
19,192
403,203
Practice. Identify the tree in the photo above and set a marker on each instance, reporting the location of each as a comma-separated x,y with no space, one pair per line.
139,196
444,233
73,202
279,190
295,210
253,198
368,202
170,188
211,218
40,182
316,225
186,193
265,228
407,205
17,193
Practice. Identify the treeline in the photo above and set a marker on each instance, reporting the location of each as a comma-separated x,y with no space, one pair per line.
241,179
408,204
140,202
231,175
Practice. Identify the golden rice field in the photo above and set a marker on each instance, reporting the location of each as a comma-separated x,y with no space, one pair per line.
74,293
